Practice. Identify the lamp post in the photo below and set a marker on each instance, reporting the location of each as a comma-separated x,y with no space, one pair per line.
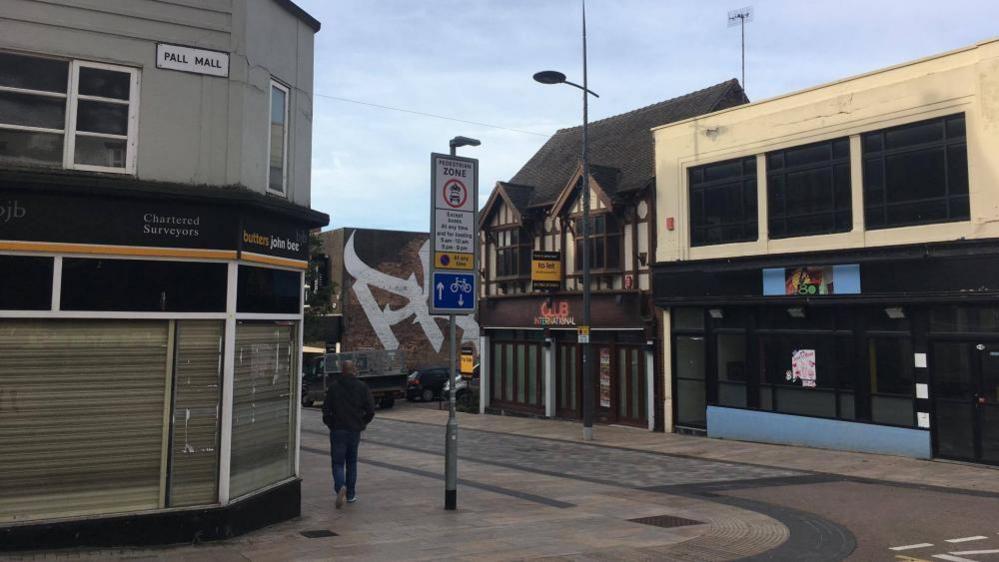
451,433
555,77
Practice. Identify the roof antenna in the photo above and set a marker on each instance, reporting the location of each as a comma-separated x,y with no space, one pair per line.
741,17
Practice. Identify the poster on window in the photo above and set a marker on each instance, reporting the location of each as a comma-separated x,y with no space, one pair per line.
803,367
605,377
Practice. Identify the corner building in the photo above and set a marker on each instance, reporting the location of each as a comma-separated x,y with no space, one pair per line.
832,280
154,218
530,358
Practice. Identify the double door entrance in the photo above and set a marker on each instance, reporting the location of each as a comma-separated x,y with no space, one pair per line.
620,383
965,394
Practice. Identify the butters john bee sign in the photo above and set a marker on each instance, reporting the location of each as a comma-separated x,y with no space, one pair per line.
546,271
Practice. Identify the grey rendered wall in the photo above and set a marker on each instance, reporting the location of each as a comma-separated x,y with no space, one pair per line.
191,128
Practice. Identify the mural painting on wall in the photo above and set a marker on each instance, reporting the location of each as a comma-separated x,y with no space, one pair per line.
403,301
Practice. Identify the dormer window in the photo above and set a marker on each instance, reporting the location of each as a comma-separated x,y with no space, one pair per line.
604,242
513,253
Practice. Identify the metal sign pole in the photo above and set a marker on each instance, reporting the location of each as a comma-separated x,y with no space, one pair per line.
451,445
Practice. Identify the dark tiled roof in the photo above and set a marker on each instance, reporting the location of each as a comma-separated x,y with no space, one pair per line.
301,14
621,147
520,195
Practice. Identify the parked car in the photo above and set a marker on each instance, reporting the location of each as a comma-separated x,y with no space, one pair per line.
426,384
463,386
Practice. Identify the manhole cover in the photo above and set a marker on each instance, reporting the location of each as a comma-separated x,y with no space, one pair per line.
666,521
318,534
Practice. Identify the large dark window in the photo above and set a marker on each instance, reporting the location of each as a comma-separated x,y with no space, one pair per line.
723,202
916,174
605,242
142,286
513,253
808,189
26,283
273,291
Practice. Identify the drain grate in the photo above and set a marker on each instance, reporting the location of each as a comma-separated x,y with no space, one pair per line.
666,521
318,534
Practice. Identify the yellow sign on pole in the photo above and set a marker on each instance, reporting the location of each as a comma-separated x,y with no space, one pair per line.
467,362
454,260
546,270
583,334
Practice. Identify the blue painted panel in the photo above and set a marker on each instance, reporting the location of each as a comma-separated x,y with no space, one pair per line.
769,427
773,281
846,279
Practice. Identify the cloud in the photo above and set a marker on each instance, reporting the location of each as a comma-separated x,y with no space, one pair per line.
473,60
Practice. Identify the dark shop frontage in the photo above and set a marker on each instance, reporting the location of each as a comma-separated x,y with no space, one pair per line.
889,350
150,343
534,360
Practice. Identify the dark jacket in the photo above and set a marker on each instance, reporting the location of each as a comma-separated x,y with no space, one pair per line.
349,404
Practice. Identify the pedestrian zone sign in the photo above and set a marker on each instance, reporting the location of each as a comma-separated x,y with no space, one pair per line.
454,234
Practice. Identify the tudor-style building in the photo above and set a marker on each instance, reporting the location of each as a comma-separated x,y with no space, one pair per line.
530,359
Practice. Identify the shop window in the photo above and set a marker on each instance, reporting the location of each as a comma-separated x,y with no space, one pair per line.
604,242
26,282
892,381
732,375
263,290
808,189
964,319
142,286
916,174
516,374
277,140
263,418
39,98
801,370
723,202
513,253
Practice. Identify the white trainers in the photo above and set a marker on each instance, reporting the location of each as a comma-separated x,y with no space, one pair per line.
340,497
352,499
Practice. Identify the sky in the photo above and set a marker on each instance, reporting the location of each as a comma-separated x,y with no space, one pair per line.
472,61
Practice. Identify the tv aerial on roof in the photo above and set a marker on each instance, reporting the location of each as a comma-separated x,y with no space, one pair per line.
741,17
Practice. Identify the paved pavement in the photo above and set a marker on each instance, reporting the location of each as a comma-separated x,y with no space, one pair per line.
530,489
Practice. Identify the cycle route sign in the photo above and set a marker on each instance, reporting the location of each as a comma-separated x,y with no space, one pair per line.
454,234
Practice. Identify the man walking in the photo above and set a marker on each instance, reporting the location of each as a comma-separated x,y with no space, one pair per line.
349,408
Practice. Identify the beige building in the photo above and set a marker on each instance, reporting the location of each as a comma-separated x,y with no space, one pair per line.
830,276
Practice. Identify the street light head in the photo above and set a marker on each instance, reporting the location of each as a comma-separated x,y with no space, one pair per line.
549,77
464,141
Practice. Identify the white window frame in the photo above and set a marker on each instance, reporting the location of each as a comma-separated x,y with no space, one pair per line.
72,97
287,125
130,138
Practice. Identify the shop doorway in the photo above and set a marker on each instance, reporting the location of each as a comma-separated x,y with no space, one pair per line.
620,391
966,400
568,381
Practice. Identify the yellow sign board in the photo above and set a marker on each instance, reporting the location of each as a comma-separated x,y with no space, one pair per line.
546,270
453,260
467,362
583,334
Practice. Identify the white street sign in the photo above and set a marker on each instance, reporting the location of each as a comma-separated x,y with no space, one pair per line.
454,184
454,231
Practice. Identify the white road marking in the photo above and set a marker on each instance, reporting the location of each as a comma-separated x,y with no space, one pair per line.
994,551
968,539
911,546
952,558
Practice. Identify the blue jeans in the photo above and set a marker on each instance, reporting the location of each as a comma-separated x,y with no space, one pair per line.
343,450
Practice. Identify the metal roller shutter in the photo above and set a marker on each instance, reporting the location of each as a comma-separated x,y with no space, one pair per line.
262,417
81,417
194,453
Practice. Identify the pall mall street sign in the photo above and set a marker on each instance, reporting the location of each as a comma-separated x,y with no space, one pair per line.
454,218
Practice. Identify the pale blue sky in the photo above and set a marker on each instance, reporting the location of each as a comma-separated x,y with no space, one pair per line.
473,60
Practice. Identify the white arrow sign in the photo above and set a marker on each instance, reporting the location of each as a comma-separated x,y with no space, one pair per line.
440,291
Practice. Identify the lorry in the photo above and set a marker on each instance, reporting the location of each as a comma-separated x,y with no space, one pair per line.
384,372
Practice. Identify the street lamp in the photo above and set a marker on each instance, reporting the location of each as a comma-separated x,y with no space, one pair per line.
462,141
555,77
451,431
